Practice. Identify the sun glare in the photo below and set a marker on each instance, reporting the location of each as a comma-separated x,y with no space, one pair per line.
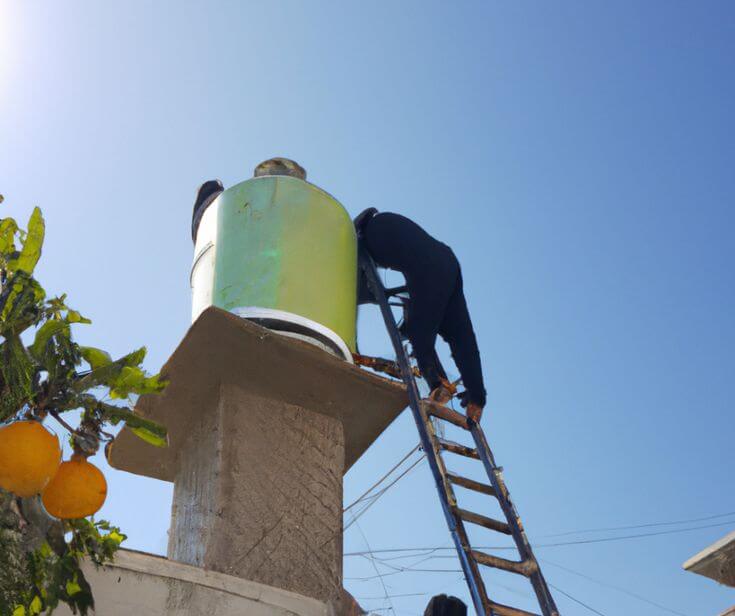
6,45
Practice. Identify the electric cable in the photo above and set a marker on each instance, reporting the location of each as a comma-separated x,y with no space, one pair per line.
383,491
614,587
412,568
566,594
374,498
375,566
651,524
557,544
383,478
410,594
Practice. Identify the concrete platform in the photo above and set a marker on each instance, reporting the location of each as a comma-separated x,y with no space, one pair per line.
716,561
147,585
223,349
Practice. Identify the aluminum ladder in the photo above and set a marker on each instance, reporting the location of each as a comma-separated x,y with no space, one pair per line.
456,517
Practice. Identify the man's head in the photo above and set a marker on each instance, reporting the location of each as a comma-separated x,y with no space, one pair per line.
280,166
207,193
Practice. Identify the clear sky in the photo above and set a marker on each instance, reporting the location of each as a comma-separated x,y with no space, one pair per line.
578,157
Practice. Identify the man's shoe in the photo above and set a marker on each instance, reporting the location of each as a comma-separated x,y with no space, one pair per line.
440,395
444,392
474,412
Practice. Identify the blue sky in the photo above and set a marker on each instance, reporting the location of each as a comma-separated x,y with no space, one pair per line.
576,155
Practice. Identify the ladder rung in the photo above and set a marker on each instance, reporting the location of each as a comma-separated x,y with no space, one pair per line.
481,520
504,610
445,413
471,484
461,450
523,567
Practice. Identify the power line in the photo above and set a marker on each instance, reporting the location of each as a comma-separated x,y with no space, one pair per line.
637,536
410,594
413,568
618,588
553,545
383,491
566,594
383,478
651,524
375,566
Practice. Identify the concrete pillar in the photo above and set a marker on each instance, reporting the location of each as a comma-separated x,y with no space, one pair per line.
258,494
262,429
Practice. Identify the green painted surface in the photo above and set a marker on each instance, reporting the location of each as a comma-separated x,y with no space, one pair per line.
284,244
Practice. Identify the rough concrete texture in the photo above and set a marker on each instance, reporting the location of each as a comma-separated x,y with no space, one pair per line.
259,495
147,585
716,561
221,348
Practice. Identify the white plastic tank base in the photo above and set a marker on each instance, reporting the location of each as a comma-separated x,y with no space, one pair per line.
202,269
296,326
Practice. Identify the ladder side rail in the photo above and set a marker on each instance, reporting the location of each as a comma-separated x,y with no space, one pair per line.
461,542
543,594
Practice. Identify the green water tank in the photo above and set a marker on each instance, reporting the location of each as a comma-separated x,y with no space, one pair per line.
281,252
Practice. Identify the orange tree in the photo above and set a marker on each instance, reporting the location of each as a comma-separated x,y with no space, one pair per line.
45,375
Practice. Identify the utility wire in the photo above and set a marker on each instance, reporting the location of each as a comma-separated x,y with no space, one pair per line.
367,506
375,566
372,577
553,545
649,525
566,594
618,588
410,594
637,536
381,480
413,568
383,491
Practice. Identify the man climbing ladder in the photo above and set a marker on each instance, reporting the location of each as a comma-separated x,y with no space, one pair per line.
436,304
399,243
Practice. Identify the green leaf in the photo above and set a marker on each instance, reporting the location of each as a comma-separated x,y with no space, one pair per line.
73,587
16,370
36,605
134,380
149,437
146,429
20,302
8,230
19,611
45,333
73,316
96,358
108,373
32,245
116,537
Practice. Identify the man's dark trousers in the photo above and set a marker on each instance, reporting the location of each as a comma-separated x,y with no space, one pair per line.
437,303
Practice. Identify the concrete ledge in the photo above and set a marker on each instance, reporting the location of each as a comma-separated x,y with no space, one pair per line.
223,349
716,562
148,585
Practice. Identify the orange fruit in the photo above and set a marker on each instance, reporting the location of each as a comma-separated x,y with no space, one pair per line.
77,490
29,457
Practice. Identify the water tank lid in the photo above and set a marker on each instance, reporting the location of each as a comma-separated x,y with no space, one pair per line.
280,166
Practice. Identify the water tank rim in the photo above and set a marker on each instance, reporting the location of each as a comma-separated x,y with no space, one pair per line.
258,313
291,178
